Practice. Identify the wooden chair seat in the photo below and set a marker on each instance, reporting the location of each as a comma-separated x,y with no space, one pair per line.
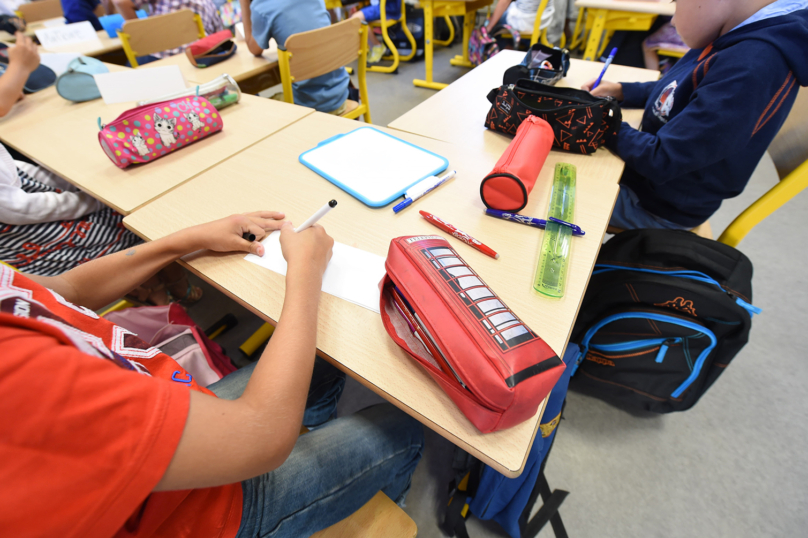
378,518
350,106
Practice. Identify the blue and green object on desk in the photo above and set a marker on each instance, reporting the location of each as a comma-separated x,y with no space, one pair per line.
113,23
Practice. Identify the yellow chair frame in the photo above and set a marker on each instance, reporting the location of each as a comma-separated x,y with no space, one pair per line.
384,23
767,204
285,65
541,35
126,37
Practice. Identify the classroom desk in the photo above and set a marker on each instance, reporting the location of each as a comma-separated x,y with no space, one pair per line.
440,8
457,113
108,44
243,67
612,15
269,176
67,144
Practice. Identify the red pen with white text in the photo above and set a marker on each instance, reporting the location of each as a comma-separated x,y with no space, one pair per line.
463,236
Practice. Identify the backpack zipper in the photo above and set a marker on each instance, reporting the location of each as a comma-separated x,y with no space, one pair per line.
692,275
694,374
662,343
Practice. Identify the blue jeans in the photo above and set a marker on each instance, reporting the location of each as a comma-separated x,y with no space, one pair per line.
334,469
629,214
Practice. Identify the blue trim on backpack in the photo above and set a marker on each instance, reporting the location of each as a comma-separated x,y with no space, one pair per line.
692,275
696,368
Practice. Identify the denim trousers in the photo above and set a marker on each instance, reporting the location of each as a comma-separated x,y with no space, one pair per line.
628,214
335,468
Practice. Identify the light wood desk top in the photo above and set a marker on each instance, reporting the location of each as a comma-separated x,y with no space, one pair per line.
108,44
660,7
67,144
457,113
269,176
241,66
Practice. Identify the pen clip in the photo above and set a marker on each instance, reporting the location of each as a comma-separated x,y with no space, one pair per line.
576,230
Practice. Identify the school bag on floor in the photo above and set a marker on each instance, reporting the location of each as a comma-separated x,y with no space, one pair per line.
480,490
664,314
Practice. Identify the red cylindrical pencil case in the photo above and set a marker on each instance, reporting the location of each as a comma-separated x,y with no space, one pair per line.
508,185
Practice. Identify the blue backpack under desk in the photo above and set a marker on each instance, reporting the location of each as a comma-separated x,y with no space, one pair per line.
372,166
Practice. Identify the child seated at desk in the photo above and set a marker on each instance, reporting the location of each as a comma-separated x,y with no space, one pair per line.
106,436
278,19
373,13
47,226
709,120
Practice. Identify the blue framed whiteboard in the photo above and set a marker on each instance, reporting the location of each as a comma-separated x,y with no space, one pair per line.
372,166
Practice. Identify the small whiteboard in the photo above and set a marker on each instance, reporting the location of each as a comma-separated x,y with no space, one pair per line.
371,165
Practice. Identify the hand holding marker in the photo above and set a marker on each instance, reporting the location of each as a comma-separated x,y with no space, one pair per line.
311,221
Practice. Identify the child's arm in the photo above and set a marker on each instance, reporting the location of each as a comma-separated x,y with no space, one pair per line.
246,18
20,207
630,94
500,8
103,280
126,8
23,58
731,104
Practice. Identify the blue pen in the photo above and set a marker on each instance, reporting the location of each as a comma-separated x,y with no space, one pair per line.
530,221
605,67
421,188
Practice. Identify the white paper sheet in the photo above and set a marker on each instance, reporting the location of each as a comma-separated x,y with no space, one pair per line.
53,23
57,60
139,84
240,31
60,38
352,274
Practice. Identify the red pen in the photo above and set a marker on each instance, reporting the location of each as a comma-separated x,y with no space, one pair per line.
463,236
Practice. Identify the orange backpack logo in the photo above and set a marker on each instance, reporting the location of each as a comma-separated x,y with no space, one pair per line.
681,304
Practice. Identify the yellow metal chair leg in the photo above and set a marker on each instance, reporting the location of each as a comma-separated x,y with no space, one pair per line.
428,36
257,339
410,37
468,27
120,305
595,34
390,46
447,42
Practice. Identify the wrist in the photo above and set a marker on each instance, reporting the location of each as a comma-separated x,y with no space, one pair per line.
184,242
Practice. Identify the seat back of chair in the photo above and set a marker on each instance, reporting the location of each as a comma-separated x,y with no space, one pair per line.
41,10
161,32
321,51
789,149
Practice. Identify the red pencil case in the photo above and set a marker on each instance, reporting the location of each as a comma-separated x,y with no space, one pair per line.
511,181
445,317
211,49
148,132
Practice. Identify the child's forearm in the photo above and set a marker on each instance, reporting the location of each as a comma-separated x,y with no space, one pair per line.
11,85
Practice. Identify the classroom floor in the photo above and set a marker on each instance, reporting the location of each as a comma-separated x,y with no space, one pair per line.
733,466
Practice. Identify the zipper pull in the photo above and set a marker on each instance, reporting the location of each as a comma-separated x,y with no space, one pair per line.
663,349
510,87
748,307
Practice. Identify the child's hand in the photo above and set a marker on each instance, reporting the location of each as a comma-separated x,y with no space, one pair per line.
605,89
307,252
225,235
24,53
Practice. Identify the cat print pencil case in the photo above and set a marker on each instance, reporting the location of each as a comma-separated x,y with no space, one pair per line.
148,132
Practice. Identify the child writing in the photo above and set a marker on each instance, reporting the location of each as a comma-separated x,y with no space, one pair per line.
104,435
709,120
47,226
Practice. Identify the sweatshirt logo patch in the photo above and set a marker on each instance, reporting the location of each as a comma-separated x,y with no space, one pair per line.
664,103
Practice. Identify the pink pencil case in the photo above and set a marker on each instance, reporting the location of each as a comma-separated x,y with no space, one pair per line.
148,132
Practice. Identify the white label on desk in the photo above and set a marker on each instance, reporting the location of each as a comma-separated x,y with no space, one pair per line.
53,23
139,84
352,274
62,37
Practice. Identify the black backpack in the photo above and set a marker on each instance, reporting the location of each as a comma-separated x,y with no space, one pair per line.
664,314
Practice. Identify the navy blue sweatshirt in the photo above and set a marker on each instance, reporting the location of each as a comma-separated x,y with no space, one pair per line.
710,119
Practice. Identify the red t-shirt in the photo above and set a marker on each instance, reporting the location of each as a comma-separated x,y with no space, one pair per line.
90,417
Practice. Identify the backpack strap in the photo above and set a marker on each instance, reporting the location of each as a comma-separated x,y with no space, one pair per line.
461,492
